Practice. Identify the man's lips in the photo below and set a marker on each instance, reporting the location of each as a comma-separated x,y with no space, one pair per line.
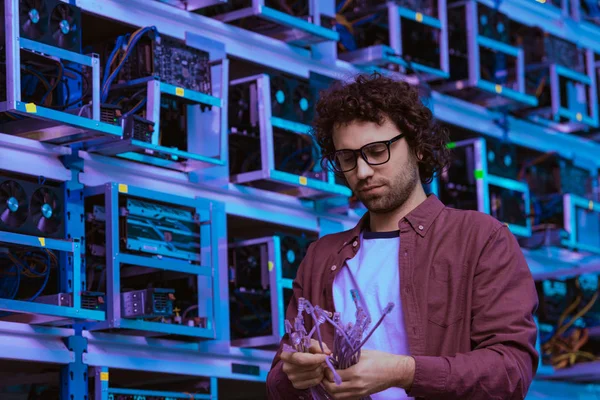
369,188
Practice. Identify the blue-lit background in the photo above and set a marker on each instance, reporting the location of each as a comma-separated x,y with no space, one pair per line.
159,185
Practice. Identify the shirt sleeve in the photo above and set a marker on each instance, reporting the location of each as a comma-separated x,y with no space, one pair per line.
503,359
278,384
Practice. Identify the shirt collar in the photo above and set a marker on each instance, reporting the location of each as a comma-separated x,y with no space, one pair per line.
420,219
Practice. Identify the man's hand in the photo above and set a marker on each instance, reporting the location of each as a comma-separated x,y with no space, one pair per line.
305,370
376,371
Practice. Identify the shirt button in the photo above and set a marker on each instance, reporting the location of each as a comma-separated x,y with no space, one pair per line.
420,227
333,267
355,244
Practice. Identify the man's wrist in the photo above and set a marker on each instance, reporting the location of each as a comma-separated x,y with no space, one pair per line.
405,374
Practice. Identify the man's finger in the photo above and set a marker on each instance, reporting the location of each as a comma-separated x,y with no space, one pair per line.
301,376
307,359
315,347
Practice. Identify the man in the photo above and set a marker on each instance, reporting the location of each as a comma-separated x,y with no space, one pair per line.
462,326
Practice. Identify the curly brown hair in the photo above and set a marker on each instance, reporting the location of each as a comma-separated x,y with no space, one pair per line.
375,98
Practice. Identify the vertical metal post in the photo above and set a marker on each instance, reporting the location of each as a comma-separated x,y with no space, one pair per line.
472,45
443,17
113,274
100,376
13,54
274,270
554,92
521,70
267,153
153,108
74,376
207,290
214,388
95,87
590,64
395,28
218,248
223,94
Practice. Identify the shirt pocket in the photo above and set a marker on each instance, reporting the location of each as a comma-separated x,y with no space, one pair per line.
446,300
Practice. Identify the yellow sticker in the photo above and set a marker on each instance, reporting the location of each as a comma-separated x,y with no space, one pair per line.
591,205
42,241
419,17
579,116
271,265
31,108
179,91
123,188
498,89
104,376
303,180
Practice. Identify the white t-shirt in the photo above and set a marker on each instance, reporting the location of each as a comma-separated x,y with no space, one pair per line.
376,271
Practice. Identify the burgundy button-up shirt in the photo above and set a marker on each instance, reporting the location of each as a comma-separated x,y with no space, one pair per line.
468,300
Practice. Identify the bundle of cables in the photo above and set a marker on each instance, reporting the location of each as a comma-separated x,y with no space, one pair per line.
124,46
564,349
347,343
19,265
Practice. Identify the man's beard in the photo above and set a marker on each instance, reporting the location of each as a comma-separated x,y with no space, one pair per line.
393,194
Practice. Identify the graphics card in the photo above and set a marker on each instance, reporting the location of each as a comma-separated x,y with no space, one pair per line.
32,207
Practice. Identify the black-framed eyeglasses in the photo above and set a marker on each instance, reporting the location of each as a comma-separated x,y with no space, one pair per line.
375,153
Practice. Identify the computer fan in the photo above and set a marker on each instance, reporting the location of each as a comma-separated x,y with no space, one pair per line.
303,103
31,205
493,24
64,27
46,211
280,96
248,268
293,250
33,19
14,205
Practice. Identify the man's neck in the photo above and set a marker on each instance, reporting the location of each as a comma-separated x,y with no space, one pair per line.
389,221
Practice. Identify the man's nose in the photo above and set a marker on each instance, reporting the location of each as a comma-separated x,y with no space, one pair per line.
363,170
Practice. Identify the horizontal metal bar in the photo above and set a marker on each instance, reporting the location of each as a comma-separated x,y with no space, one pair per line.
171,329
311,183
497,46
520,132
573,75
291,126
49,309
297,23
577,116
164,263
35,241
37,111
146,354
420,17
507,92
156,393
32,157
63,54
191,95
35,343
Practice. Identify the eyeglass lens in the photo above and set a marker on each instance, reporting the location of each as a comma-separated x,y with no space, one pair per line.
374,154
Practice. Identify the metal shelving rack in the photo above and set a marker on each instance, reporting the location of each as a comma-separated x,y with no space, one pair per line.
80,352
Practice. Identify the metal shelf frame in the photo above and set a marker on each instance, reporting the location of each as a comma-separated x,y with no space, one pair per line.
210,280
54,121
203,127
306,186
